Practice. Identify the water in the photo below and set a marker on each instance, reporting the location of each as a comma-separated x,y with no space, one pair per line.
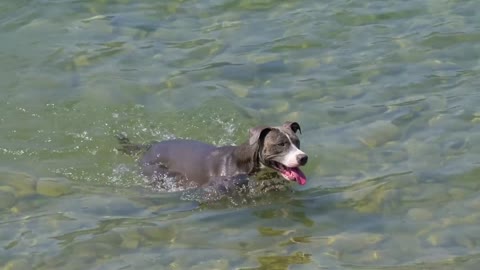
386,93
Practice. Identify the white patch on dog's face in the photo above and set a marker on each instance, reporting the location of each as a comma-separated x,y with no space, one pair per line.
289,158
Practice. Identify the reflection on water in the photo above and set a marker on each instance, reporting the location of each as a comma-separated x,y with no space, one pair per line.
385,91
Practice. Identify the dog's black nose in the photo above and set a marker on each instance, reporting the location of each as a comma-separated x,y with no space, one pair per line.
302,159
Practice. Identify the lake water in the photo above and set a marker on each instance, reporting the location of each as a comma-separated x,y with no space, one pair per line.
386,92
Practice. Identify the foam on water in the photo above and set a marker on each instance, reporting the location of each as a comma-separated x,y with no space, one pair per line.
228,131
87,153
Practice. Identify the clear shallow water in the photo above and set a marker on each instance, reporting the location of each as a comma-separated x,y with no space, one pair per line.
386,93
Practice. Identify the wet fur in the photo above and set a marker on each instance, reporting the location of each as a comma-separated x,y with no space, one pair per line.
197,164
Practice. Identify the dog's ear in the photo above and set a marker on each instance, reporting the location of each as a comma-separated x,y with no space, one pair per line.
258,134
294,126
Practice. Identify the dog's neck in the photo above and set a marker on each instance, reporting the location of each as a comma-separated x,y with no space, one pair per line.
247,157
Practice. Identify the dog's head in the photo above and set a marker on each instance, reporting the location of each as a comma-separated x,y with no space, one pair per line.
279,149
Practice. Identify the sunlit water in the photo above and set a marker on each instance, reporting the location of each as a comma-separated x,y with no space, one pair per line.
386,92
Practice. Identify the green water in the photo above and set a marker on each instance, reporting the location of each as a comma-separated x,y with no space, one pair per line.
386,93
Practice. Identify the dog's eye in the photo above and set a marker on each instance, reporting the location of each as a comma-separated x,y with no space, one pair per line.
282,144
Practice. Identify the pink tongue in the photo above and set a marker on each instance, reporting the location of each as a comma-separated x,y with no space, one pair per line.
297,174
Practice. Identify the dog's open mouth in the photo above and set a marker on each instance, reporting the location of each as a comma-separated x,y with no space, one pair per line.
290,173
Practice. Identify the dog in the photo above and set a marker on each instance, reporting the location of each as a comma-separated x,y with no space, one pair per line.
196,164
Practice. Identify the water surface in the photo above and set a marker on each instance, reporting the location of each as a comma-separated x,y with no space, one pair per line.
386,93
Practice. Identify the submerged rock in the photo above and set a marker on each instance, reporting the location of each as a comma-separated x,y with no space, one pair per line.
131,239
7,197
238,90
219,264
91,250
419,214
18,264
158,234
53,187
354,242
378,133
424,155
23,183
111,238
